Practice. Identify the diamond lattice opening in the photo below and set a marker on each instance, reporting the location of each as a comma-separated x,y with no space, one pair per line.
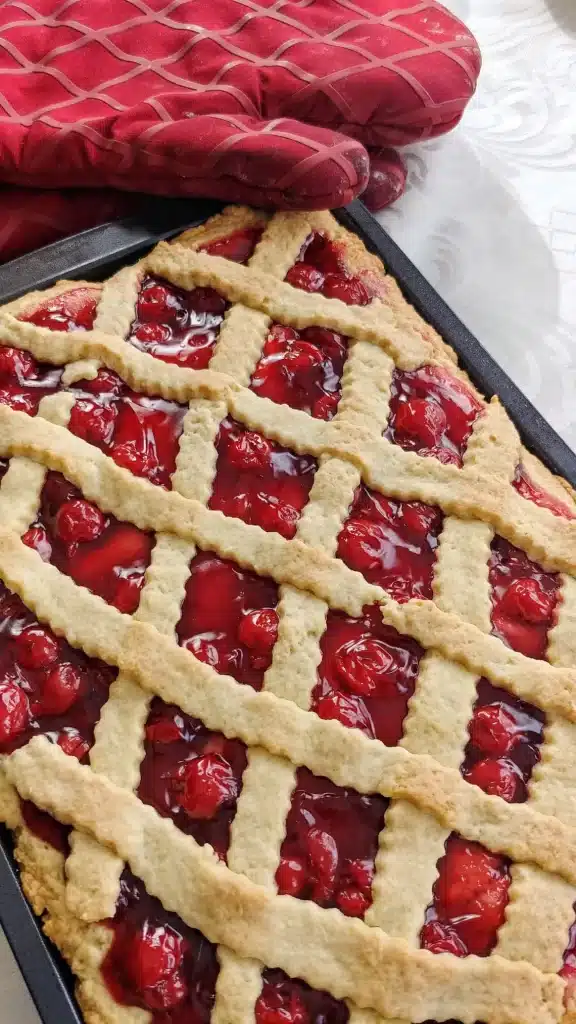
524,599
191,775
157,962
330,844
367,675
259,481
98,551
140,433
392,543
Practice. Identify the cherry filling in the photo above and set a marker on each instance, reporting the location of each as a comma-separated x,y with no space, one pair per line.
139,433
285,1000
431,413
469,900
191,775
156,961
24,381
302,369
330,844
229,618
177,326
46,688
528,489
237,247
259,481
524,599
99,552
505,736
321,267
74,310
367,675
392,543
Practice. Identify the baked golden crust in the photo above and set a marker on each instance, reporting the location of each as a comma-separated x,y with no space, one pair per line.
377,966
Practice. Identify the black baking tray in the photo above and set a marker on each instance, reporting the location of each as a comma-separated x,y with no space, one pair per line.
95,254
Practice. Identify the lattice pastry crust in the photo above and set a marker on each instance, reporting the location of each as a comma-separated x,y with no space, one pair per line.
376,964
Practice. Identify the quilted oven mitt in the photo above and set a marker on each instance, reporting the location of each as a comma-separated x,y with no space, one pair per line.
272,103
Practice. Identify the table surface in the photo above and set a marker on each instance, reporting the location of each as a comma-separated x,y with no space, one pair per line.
489,217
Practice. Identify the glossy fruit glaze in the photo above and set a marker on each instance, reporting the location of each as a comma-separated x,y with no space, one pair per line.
191,775
330,844
229,618
259,481
23,380
524,599
392,543
99,552
140,433
530,490
505,737
469,900
367,674
46,688
431,413
321,267
157,962
285,1000
180,326
302,369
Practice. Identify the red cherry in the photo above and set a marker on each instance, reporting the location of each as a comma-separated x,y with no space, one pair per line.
325,407
92,421
523,637
208,784
280,1006
366,667
275,516
493,729
348,289
14,710
153,334
61,689
495,777
361,544
37,538
35,648
422,419
259,629
347,709
472,887
157,302
440,937
303,276
279,339
421,519
249,452
163,731
73,744
79,521
206,300
291,876
302,355
16,362
352,902
127,455
153,963
106,382
323,855
527,599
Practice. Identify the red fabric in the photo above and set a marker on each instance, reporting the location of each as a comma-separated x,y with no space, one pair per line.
270,102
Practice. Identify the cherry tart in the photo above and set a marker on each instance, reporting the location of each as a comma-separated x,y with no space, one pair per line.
287,648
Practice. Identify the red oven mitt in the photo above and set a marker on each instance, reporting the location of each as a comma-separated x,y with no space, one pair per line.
268,102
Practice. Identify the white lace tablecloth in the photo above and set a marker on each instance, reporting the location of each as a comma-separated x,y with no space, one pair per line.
490,219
